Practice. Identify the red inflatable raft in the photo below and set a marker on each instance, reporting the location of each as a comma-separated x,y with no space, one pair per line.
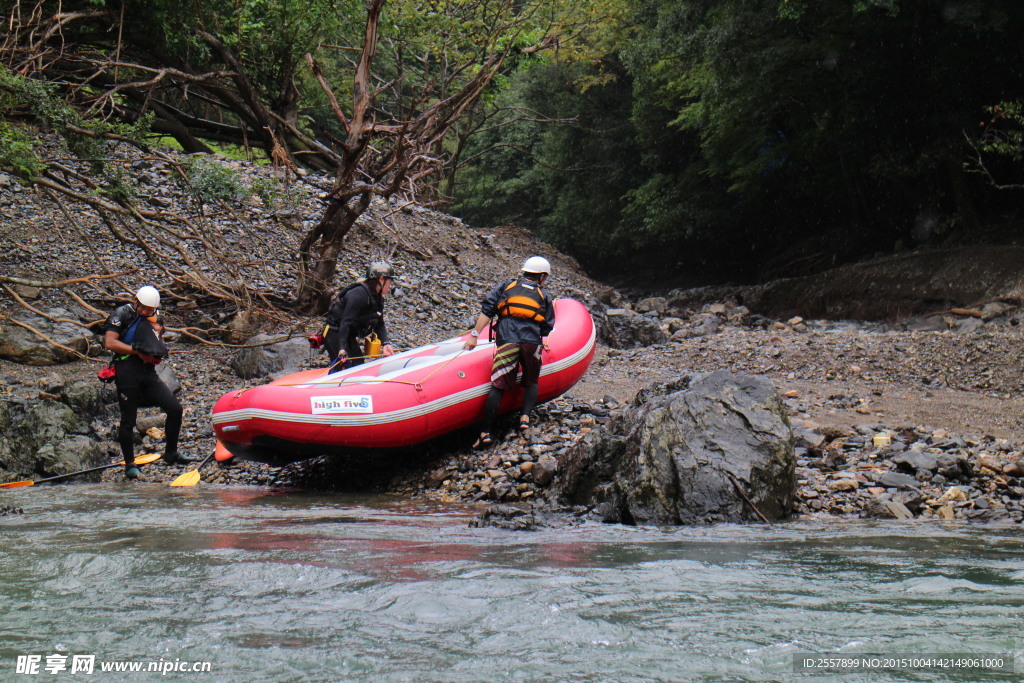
400,400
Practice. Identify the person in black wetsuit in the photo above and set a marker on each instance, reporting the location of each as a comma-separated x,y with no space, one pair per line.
129,334
525,317
357,311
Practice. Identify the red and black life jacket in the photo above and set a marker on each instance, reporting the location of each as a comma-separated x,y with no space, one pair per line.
523,299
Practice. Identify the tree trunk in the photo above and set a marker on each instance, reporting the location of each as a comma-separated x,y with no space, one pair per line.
318,253
317,264
180,132
448,186
967,223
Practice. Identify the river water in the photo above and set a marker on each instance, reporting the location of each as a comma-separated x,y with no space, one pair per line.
270,586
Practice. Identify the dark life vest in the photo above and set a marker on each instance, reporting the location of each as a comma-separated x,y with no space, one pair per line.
523,299
366,319
147,341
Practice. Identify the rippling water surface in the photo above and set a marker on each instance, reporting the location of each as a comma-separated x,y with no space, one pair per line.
272,586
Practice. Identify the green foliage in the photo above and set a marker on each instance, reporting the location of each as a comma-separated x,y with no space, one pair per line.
887,85
275,193
119,186
166,141
795,9
267,189
224,149
210,180
566,180
684,125
239,152
1004,132
18,153
761,124
85,137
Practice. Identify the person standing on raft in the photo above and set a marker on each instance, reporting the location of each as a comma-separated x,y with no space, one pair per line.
525,318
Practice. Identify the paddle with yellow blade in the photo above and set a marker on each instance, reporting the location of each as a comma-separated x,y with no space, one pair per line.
140,460
192,478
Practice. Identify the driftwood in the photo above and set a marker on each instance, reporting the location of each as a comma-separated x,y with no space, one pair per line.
743,494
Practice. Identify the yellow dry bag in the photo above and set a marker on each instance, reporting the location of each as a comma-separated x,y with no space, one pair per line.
371,346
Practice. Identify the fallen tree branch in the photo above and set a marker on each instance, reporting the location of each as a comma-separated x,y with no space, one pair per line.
60,283
185,331
981,168
47,316
743,495
81,302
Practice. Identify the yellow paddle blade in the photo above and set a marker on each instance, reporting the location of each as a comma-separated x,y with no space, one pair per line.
17,484
192,478
187,479
146,458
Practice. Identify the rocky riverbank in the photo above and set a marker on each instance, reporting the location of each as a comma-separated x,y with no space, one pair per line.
913,418
877,467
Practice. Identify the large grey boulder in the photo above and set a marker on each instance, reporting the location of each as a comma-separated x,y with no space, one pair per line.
260,361
89,397
683,453
44,437
22,346
5,418
49,422
71,454
622,328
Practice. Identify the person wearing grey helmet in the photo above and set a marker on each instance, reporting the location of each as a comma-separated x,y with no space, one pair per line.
357,311
525,317
133,334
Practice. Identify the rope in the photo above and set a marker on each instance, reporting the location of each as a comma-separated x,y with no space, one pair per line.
352,380
418,384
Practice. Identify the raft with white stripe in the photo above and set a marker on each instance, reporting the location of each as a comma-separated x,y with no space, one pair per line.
402,400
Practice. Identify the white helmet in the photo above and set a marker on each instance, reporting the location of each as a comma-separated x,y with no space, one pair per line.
537,264
148,296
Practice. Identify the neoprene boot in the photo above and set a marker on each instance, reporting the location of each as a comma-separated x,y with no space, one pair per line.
175,458
132,472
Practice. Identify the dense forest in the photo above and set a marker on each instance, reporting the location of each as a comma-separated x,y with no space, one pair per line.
674,142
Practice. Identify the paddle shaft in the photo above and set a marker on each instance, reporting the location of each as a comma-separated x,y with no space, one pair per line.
206,460
72,474
141,460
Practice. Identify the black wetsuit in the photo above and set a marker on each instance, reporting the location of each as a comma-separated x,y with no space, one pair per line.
138,385
355,312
